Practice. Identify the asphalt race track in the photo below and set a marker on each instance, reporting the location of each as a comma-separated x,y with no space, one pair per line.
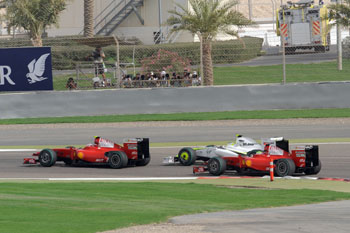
335,156
335,164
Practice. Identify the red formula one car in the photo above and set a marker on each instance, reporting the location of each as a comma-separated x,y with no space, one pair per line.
302,159
103,151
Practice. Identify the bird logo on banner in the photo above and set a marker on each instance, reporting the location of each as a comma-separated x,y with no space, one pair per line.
36,69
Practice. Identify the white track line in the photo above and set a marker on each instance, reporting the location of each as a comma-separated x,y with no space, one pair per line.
160,178
124,179
18,150
175,147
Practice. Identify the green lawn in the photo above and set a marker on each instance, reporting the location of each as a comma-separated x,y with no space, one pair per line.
96,206
259,114
318,72
85,82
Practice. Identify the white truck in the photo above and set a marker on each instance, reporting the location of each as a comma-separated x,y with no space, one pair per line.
303,25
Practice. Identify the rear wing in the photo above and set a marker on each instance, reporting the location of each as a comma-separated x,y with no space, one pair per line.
142,148
312,156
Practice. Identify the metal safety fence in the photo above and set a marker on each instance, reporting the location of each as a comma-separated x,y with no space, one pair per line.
257,60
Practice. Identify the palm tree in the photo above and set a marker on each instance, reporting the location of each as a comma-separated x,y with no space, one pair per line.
89,18
33,15
340,13
206,18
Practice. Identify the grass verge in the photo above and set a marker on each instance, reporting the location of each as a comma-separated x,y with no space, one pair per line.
183,144
317,72
95,206
199,116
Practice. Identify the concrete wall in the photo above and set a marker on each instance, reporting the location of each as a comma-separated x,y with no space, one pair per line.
170,100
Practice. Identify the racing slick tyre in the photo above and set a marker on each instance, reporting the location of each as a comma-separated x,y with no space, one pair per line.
187,156
47,157
143,162
284,167
314,170
216,166
117,159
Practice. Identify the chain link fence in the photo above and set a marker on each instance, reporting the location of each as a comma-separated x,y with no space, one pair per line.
162,65
255,58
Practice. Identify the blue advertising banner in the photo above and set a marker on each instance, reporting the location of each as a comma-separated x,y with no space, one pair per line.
25,69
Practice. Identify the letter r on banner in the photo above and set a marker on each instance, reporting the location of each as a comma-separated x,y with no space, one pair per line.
5,72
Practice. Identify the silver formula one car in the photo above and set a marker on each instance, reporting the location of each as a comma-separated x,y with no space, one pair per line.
243,146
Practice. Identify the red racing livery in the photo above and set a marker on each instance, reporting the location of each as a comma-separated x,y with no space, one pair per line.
302,159
132,152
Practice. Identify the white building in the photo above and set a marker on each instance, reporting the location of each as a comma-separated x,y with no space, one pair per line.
142,19
123,18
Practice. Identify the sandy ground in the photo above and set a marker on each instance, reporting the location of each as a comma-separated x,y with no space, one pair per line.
160,228
252,122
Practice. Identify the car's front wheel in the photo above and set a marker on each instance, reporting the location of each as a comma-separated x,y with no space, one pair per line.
187,156
47,157
216,166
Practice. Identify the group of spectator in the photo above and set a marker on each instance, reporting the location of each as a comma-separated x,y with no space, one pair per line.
162,79
151,79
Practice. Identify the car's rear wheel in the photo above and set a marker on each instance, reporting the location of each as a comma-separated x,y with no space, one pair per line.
284,167
187,156
117,159
314,170
216,166
47,157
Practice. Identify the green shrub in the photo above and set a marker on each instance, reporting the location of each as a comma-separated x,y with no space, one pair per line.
66,52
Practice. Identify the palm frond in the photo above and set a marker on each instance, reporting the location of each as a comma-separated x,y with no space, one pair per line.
207,17
340,13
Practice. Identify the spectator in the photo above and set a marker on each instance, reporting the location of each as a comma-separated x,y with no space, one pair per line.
126,81
71,84
150,79
137,80
173,78
199,80
143,78
167,78
162,77
96,82
155,80
129,80
195,81
100,67
178,81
